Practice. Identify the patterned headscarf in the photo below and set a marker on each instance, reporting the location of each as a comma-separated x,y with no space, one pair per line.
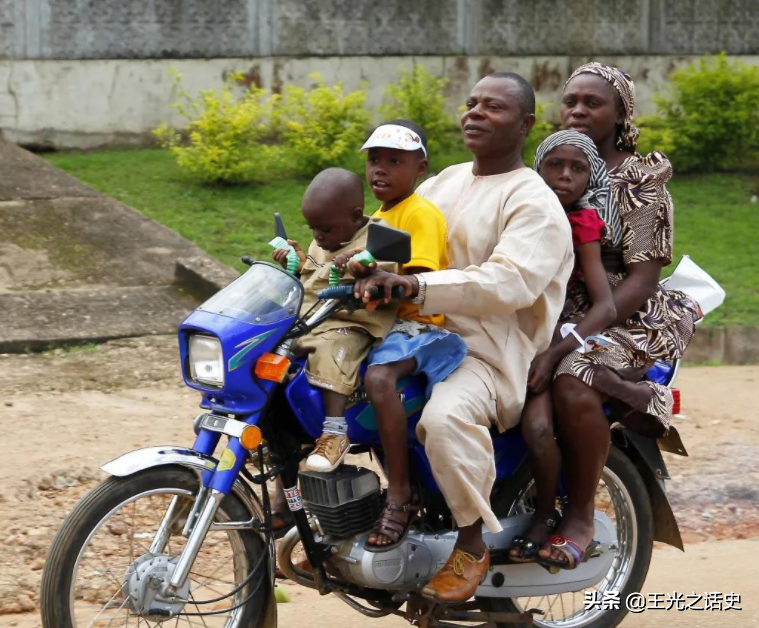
598,193
627,138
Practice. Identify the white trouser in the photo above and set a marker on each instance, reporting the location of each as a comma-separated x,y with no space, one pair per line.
455,432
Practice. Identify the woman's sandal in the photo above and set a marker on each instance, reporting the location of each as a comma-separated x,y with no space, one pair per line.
529,547
573,553
387,525
281,523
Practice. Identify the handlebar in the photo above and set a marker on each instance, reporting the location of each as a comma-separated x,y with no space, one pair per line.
345,291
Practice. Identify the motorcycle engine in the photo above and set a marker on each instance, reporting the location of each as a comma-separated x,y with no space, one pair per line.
346,504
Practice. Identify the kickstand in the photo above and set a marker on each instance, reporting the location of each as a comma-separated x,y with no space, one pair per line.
419,612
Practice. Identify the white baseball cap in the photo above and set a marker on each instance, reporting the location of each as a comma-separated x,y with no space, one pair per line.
395,136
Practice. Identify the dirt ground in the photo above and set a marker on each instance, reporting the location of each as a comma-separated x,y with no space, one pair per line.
66,413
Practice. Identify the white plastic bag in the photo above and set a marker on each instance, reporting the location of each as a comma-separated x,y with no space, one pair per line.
694,281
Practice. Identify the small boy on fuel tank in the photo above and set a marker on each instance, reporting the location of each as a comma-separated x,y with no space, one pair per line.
333,206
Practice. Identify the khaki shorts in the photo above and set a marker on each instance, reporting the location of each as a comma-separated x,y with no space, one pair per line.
335,356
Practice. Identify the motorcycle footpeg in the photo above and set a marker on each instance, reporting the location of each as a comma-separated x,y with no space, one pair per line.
535,611
552,569
500,557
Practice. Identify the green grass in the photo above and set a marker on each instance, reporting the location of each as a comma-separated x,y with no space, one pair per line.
700,364
89,347
718,226
714,221
228,222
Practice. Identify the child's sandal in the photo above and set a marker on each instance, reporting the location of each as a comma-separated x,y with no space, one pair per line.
529,547
387,525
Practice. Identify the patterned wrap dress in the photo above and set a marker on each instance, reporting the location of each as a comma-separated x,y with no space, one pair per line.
664,325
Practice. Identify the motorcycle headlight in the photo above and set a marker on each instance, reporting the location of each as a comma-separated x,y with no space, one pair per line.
206,361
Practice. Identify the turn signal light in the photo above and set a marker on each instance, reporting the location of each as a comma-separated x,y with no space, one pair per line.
676,401
251,438
272,367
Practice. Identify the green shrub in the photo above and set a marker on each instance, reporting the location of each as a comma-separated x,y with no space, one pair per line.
419,96
228,139
540,131
709,115
258,137
655,134
322,127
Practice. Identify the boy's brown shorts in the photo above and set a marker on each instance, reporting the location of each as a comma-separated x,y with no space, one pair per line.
334,357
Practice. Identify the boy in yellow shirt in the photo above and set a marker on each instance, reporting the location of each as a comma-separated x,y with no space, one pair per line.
396,159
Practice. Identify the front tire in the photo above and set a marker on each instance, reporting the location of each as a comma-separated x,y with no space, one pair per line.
623,494
115,523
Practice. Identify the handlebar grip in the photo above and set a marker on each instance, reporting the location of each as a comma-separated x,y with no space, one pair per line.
344,291
397,292
247,260
336,292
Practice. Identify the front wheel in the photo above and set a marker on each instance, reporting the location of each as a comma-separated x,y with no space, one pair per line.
89,574
623,497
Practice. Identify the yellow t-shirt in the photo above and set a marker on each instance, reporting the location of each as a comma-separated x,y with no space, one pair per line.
426,225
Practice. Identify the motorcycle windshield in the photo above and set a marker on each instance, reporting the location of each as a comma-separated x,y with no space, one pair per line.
264,294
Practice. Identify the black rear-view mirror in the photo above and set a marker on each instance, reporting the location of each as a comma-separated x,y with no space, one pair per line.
389,244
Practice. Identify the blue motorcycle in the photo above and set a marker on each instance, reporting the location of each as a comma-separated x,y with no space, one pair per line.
185,535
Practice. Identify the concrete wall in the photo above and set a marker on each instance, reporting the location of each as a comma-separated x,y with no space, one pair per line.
80,73
150,29
83,104
724,345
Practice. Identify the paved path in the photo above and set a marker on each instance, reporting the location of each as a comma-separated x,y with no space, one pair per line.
82,408
77,266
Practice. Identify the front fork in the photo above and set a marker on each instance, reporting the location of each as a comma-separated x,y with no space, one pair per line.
197,536
215,486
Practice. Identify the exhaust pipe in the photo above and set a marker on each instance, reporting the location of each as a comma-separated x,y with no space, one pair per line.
284,560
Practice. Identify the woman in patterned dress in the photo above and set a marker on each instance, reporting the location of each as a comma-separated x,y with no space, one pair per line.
652,323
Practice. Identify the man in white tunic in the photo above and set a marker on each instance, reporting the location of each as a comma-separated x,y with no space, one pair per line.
510,252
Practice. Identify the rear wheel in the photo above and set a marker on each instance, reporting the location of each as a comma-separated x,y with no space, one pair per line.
622,496
85,581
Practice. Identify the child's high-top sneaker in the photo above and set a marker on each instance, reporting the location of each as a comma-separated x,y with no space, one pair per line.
329,452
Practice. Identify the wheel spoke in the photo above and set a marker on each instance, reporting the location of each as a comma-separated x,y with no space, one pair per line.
217,580
123,604
131,536
192,598
119,538
550,606
212,574
211,589
613,500
107,572
105,607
